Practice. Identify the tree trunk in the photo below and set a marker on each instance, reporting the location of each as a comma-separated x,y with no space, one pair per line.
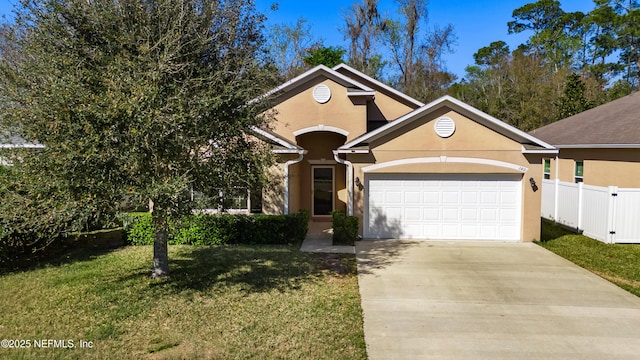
160,255
160,249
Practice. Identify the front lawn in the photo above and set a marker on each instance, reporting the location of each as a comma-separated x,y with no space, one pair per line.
618,263
221,302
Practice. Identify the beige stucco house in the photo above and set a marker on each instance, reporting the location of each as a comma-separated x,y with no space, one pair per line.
442,170
593,184
599,147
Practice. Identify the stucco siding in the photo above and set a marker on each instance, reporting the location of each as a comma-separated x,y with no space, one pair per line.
475,149
300,111
273,192
468,136
602,167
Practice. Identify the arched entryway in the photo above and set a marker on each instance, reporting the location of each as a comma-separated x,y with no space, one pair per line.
322,180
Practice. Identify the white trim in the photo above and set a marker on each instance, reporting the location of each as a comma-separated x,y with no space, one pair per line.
539,151
331,74
333,188
353,151
455,103
288,151
274,138
321,128
445,159
378,83
599,146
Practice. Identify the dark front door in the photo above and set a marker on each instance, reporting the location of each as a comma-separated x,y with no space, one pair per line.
323,190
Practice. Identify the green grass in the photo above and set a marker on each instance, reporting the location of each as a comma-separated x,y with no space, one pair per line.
226,302
618,263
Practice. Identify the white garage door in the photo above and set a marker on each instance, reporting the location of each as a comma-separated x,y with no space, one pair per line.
447,206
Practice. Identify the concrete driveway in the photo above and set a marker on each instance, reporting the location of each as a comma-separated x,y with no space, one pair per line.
489,300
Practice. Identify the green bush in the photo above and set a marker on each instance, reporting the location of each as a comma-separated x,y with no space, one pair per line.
138,228
202,229
345,228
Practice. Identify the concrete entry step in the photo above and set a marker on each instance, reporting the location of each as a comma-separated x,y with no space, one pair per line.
319,240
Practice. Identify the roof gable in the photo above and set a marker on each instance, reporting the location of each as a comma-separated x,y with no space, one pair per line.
354,87
462,108
369,81
614,124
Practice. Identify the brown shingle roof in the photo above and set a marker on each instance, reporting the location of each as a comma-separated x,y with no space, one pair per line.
613,123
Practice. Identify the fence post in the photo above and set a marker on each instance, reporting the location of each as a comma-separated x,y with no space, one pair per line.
580,205
611,218
555,199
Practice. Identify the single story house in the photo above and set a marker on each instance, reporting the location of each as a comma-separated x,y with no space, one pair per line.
442,170
599,147
593,183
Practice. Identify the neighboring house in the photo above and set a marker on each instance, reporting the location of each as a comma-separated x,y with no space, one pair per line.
442,170
593,184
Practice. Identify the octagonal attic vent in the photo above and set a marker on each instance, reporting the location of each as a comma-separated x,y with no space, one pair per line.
322,93
444,127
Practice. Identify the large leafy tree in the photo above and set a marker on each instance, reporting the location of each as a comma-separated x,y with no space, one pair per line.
133,99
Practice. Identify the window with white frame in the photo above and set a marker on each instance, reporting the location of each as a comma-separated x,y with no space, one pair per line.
578,176
547,169
237,200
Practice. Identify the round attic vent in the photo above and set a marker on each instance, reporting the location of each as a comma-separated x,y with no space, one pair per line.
444,127
322,93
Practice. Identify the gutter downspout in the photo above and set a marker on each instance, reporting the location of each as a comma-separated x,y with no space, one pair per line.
286,179
349,181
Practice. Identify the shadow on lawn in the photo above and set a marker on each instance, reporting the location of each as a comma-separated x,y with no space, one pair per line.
85,247
251,268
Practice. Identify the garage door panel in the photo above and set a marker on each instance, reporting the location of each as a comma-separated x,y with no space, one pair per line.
469,230
449,214
469,215
393,197
431,214
412,214
446,206
412,197
469,197
430,197
488,197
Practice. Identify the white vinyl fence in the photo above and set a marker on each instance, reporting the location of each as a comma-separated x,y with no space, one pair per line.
609,214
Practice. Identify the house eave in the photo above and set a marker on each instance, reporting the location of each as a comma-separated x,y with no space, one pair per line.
289,151
598,146
353,151
457,105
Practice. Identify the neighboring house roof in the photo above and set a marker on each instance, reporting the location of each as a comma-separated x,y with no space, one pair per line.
612,125
530,143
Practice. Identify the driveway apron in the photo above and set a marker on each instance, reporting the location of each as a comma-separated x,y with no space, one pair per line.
489,300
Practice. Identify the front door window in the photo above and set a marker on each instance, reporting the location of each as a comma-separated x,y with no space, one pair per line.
323,183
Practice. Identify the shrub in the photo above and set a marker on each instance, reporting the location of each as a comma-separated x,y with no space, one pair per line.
345,228
202,229
138,228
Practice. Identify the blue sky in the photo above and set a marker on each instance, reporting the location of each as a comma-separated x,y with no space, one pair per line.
477,22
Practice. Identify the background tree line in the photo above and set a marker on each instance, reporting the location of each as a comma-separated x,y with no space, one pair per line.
571,62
